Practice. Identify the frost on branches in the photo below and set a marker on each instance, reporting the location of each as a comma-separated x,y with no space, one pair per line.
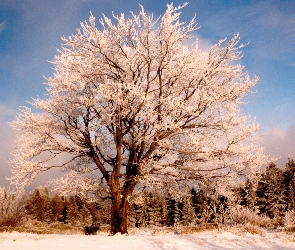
131,104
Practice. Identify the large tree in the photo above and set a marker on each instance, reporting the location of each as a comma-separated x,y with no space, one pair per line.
136,103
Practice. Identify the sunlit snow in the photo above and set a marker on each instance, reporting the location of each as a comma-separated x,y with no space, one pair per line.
147,240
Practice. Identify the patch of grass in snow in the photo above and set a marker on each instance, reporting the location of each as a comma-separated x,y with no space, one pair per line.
247,228
195,229
44,228
37,227
180,230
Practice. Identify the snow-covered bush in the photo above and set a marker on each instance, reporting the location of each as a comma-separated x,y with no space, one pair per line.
290,218
12,207
240,215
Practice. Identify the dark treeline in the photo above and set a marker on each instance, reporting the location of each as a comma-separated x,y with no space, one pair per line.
270,197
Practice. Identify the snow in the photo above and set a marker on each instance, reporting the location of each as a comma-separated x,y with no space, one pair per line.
147,240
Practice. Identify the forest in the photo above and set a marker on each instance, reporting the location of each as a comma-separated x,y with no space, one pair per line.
268,201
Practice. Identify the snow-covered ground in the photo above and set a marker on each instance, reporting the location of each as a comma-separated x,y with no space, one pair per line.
146,240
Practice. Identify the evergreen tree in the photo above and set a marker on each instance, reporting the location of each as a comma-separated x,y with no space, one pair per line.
73,215
188,211
201,204
174,212
47,205
94,209
79,201
39,205
247,195
144,210
58,208
158,208
38,210
289,181
85,216
271,198
132,215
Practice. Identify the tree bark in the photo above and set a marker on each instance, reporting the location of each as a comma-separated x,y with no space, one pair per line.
120,205
119,216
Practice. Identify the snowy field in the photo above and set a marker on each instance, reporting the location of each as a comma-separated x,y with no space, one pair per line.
145,240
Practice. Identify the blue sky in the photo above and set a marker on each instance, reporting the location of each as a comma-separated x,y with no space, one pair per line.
30,33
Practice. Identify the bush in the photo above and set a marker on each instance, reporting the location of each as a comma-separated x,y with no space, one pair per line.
290,218
12,208
196,229
247,228
244,216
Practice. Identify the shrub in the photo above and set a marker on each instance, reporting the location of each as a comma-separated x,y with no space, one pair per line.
244,216
290,218
247,228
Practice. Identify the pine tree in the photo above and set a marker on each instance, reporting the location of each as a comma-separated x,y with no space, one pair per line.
247,195
159,213
39,205
47,205
73,215
144,210
38,209
289,181
201,204
174,212
94,209
271,198
58,207
85,216
188,211
79,201
132,215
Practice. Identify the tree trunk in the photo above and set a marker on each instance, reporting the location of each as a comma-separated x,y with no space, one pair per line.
119,215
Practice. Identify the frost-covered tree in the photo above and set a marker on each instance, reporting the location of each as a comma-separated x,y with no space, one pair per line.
58,205
289,183
39,205
12,207
73,214
188,211
246,195
271,197
86,217
136,101
158,207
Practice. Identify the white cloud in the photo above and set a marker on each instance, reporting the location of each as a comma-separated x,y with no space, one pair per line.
280,143
2,26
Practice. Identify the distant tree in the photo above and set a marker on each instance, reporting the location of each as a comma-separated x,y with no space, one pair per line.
188,211
86,217
247,195
58,205
135,103
201,203
132,215
47,205
174,212
144,210
289,182
73,214
39,205
271,196
158,210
